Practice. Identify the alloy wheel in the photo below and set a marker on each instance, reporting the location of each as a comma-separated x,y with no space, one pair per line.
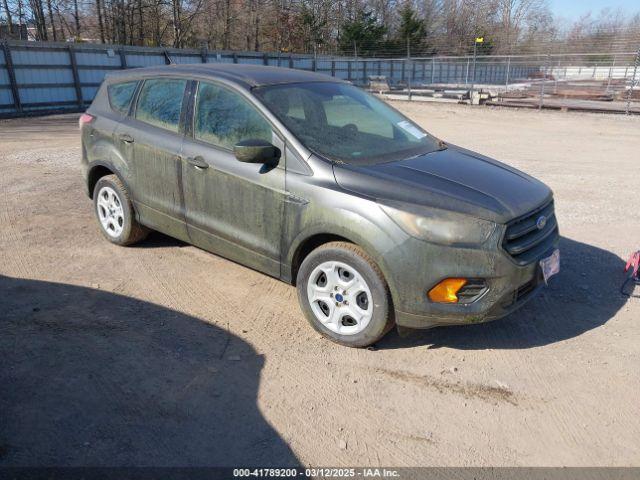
110,211
340,298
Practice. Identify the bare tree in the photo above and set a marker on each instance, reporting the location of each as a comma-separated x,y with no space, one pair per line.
7,15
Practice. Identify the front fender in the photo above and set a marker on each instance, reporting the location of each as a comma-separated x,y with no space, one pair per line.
355,226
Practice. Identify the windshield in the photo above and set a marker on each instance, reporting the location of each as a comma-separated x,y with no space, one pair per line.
341,122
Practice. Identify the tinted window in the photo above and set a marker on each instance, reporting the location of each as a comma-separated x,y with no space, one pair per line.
223,117
341,122
120,95
160,103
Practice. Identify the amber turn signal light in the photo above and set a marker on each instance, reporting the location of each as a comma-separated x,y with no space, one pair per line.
446,290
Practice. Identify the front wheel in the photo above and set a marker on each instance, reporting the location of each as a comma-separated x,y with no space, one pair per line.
343,294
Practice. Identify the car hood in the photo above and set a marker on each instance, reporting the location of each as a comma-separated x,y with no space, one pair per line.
452,179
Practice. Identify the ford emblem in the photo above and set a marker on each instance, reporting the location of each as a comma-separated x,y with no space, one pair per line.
541,222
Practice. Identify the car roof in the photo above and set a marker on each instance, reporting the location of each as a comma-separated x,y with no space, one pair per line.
245,75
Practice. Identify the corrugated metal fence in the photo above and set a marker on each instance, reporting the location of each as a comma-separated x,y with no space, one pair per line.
37,77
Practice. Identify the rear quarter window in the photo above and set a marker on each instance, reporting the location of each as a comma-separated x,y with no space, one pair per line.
160,103
120,96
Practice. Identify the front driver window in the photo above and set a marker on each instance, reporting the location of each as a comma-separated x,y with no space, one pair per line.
223,117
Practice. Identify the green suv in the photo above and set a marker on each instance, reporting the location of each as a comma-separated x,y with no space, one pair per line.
313,181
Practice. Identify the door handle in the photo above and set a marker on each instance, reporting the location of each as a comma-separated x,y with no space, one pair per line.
126,138
198,162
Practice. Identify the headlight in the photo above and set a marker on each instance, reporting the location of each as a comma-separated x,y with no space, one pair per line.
442,227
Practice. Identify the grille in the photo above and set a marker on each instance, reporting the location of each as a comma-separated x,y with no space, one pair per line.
524,241
526,289
472,290
523,291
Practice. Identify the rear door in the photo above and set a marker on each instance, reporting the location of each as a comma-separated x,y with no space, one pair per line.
232,208
153,138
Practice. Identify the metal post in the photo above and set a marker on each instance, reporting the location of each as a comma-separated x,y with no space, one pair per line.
633,81
613,64
466,75
204,54
76,76
544,79
333,68
364,72
17,104
506,81
433,71
314,63
409,63
123,58
473,78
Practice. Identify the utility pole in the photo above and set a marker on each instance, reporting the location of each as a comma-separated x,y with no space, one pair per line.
473,79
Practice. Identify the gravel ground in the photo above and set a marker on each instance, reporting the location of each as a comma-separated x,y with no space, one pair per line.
163,354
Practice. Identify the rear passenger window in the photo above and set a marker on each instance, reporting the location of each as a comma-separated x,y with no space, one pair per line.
224,118
120,95
160,103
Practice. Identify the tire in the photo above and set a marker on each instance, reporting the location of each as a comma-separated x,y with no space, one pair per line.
115,213
356,314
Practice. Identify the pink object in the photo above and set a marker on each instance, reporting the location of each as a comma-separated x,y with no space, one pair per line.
633,263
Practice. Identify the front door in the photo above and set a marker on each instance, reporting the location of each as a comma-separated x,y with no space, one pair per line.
155,138
232,208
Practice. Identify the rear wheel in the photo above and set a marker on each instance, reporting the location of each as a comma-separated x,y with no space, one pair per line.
344,295
115,212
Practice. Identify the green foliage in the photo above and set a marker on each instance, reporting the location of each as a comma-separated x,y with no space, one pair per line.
312,26
364,31
411,27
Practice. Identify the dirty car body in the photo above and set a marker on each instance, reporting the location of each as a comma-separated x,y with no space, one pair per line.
423,210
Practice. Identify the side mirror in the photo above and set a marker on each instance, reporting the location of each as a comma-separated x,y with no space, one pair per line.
256,151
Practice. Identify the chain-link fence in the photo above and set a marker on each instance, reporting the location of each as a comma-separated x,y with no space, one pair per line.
601,82
37,77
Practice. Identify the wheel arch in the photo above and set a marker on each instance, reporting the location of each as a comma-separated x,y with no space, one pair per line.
309,244
99,169
308,241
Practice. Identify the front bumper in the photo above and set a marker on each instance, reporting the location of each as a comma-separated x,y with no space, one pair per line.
509,286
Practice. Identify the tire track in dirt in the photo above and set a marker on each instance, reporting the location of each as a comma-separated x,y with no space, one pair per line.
26,205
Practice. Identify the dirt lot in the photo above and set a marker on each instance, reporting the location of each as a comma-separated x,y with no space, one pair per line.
164,354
